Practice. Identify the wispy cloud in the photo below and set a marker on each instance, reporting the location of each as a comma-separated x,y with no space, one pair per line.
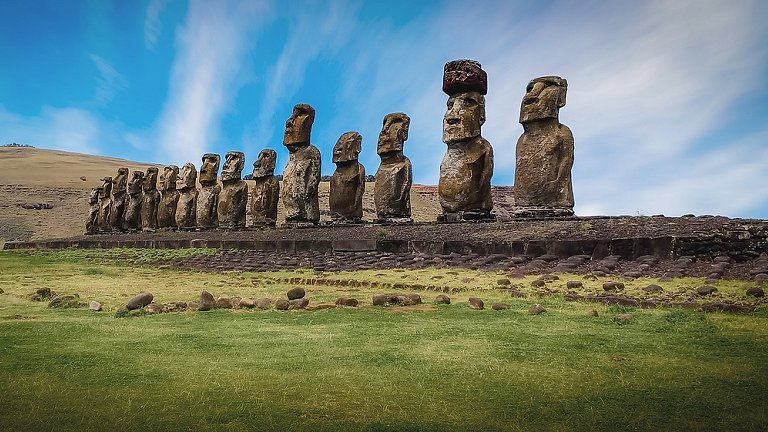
69,129
152,24
109,82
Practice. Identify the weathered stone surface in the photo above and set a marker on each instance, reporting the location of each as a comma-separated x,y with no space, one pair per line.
301,177
265,192
135,198
186,207
296,293
177,306
476,303
761,278
233,197
409,299
380,299
154,308
246,303
105,205
92,222
65,301
207,302
348,181
574,284
282,304
394,178
139,301
442,299
705,290
544,152
755,292
592,313
623,318
301,303
206,215
150,200
499,306
117,213
224,302
347,301
264,303
726,307
536,309
94,306
169,197
613,286
653,289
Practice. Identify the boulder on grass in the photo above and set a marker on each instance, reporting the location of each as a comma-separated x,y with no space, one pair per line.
207,302
296,293
442,299
499,306
264,303
347,301
94,306
301,303
282,304
536,309
476,303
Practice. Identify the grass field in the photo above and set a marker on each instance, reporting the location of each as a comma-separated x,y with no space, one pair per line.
370,368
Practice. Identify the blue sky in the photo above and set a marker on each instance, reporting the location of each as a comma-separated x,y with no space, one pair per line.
667,100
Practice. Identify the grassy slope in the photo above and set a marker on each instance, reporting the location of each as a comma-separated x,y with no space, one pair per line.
449,368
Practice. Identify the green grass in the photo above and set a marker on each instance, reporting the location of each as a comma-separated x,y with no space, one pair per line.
437,368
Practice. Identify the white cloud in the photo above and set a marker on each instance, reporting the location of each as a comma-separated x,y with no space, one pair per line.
110,81
152,24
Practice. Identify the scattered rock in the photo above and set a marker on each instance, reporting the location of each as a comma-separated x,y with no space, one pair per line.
500,306
591,277
622,318
301,303
282,304
139,301
42,294
653,289
476,303
442,299
549,277
761,278
726,307
94,306
264,303
536,309
599,273
756,292
706,290
175,306
207,302
592,313
613,286
65,301
503,282
380,299
246,303
154,308
410,299
538,283
296,293
224,302
347,301
574,284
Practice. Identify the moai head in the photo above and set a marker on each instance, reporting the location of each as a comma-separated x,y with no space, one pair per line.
168,178
209,169
136,183
150,179
299,127
394,133
543,99
93,197
120,181
465,83
106,187
187,177
233,166
347,148
265,164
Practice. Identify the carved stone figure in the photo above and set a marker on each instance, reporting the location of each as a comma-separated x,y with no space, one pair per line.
186,184
266,190
105,205
465,172
544,153
392,193
135,198
348,181
301,177
92,224
169,197
117,213
151,200
208,197
233,198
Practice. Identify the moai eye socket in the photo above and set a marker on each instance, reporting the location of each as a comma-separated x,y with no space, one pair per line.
470,102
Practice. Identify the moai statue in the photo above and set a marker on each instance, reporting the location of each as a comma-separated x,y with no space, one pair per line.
92,224
233,198
169,197
208,197
117,214
392,193
348,181
266,190
465,172
105,205
135,198
544,153
151,200
186,184
301,178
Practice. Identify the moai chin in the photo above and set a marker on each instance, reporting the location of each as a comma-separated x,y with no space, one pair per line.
464,188
92,223
186,184
544,153
135,198
117,213
105,205
348,181
233,197
151,200
301,178
266,190
169,197
206,216
392,192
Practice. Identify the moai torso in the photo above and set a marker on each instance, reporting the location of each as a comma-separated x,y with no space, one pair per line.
233,198
117,213
135,198
464,184
348,181
208,197
169,197
265,192
392,192
105,205
301,177
92,223
186,184
150,201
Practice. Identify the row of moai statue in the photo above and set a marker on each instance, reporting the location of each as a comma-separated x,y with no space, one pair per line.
544,158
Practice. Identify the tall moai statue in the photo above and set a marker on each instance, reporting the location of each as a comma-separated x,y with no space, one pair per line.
301,178
465,172
233,197
105,205
392,193
92,223
208,197
186,184
135,198
348,181
117,213
169,197
151,200
266,190
544,153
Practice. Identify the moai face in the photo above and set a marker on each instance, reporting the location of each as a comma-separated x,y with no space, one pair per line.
93,197
136,183
106,187
233,166
465,83
347,148
209,169
150,179
168,178
298,127
120,181
543,99
187,177
394,133
265,164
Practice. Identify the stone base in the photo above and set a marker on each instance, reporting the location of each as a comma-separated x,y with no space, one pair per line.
344,222
232,226
394,221
299,224
205,228
541,212
467,216
263,225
